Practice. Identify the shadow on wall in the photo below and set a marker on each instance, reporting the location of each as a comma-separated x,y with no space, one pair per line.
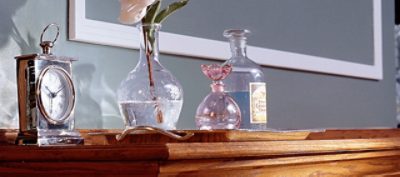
87,111
96,102
8,87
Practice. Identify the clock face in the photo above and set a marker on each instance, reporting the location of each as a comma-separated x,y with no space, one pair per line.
56,94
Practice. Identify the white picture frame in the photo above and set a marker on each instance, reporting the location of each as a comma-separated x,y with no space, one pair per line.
98,32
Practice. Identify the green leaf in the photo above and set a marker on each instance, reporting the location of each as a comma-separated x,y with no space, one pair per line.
169,10
152,11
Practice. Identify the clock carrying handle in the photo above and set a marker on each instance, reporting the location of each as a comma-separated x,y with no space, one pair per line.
47,45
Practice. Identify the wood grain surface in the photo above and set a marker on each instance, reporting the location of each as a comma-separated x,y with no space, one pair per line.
83,153
177,167
88,168
354,134
374,152
350,168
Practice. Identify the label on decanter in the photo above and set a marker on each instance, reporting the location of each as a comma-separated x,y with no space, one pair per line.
258,102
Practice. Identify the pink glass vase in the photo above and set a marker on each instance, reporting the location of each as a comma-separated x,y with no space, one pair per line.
218,110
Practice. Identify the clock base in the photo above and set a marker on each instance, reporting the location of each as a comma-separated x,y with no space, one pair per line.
59,138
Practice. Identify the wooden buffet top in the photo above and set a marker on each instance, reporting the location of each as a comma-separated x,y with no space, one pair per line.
367,152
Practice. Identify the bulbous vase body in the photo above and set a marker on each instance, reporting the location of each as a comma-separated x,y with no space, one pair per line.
150,95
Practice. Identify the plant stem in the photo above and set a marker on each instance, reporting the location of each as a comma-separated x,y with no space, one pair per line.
149,51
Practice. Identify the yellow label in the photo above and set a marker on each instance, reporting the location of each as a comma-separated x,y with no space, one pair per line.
258,102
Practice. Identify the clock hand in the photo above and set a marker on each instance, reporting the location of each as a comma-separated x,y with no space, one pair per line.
47,88
51,105
59,90
51,94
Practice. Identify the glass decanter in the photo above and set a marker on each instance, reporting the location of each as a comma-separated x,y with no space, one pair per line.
150,95
218,110
246,83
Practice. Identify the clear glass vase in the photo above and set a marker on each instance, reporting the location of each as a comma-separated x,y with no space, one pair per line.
246,83
150,95
217,110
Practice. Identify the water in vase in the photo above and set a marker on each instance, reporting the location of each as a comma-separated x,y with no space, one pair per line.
138,113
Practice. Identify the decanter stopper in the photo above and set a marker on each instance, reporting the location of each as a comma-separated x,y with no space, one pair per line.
216,72
218,110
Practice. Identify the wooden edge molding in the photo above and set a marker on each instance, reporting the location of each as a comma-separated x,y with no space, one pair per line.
180,151
182,166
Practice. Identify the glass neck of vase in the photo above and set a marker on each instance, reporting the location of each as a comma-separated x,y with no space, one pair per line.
238,47
217,86
149,41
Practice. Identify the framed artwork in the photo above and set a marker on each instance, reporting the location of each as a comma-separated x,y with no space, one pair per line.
84,29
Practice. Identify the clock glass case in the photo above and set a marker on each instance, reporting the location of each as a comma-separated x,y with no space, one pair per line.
56,94
46,97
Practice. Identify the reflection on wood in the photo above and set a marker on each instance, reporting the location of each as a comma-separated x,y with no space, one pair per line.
99,137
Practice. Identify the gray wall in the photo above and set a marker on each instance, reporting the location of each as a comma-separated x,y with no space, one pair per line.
312,27
296,99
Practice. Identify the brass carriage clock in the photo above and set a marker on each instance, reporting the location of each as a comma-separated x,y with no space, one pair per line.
46,97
